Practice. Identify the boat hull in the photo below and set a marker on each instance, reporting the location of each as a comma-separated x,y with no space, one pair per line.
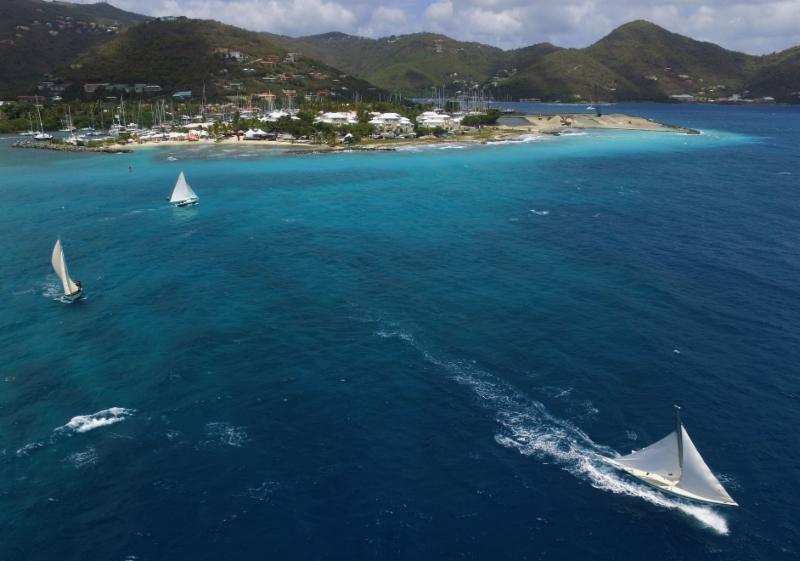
664,485
190,202
70,298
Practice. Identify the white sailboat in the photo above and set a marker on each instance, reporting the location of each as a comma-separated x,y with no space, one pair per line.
73,138
41,135
182,194
674,465
72,289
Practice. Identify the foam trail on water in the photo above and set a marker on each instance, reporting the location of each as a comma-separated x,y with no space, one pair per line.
85,423
530,428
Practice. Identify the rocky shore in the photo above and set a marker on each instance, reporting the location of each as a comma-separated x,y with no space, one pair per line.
70,147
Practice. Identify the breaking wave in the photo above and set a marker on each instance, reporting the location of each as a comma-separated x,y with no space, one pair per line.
85,423
528,427
522,139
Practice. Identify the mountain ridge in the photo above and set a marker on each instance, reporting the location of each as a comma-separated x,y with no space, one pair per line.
638,60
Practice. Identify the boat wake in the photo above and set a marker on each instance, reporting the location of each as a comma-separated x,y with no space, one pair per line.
85,423
528,427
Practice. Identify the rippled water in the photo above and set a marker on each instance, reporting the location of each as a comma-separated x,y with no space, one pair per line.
409,355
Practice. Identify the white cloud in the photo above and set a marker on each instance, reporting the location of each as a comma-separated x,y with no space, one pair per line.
440,12
755,26
385,21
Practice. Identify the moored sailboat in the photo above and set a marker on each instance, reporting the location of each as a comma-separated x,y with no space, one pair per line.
41,135
183,194
72,289
674,465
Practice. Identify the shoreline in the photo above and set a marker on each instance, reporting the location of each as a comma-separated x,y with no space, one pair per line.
543,124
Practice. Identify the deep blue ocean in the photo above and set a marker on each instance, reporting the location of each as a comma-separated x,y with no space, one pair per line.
404,356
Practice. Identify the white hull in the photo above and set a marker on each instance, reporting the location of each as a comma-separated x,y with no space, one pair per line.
664,484
188,202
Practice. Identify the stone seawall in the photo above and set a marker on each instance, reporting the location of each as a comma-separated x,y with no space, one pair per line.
70,147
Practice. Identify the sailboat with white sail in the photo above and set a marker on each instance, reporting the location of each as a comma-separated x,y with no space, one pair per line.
183,194
41,135
72,289
674,465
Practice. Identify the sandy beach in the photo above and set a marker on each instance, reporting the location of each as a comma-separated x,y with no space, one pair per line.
553,124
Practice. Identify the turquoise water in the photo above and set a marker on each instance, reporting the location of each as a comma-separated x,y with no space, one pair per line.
408,355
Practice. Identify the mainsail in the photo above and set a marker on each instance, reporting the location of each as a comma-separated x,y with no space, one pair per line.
182,192
673,464
60,267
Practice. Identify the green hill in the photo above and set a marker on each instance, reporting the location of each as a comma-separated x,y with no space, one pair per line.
36,37
183,54
778,76
637,61
99,43
406,63
662,63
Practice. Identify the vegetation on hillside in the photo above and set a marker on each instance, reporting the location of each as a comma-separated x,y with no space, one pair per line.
185,54
407,63
37,36
99,43
637,61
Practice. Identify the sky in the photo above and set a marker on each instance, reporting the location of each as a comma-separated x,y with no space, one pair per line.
752,26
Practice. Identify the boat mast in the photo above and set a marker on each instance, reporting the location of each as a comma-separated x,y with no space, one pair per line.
679,434
38,114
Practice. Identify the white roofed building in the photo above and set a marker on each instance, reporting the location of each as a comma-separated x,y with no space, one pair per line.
432,120
391,123
338,118
273,116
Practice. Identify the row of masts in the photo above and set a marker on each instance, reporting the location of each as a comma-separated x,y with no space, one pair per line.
475,100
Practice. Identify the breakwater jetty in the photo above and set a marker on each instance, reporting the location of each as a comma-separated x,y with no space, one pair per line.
70,147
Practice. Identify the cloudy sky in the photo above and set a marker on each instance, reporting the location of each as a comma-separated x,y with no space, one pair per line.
754,26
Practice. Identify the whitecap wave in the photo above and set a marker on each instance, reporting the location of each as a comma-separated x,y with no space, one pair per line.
83,459
540,212
527,426
28,449
263,491
522,139
85,423
227,434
